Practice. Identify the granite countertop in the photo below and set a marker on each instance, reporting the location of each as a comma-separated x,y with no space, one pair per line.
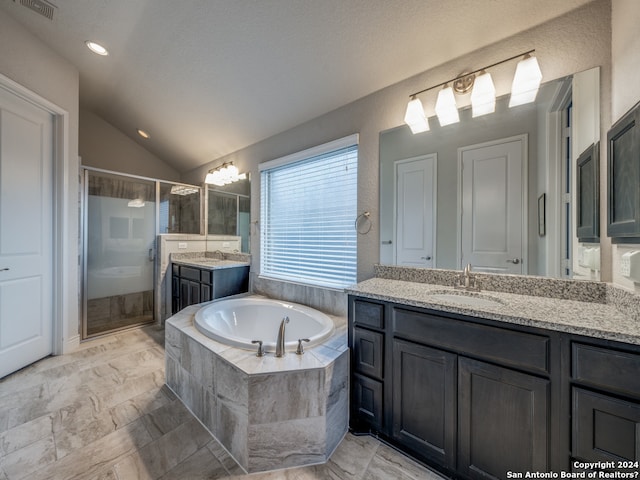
598,320
209,263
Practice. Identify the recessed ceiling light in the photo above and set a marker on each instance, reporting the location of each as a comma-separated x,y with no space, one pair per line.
143,134
96,48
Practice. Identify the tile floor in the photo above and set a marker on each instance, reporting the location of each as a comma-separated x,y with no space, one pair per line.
104,413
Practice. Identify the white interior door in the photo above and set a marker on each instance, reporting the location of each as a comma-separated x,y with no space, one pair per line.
493,201
416,211
26,198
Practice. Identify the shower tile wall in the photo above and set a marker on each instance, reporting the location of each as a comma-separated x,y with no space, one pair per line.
119,311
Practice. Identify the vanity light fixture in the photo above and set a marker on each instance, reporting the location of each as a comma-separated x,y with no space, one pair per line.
526,81
136,203
224,174
483,93
414,116
96,48
143,134
483,96
446,108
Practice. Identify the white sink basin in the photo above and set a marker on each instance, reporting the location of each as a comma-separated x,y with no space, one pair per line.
466,299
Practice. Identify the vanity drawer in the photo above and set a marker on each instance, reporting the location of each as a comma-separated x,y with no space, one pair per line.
369,314
190,273
605,428
605,368
206,276
368,352
502,345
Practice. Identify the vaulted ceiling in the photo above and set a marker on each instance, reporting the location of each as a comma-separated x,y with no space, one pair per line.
208,77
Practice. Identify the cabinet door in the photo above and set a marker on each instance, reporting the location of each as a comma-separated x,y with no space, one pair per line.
503,420
366,405
205,292
424,401
605,428
368,354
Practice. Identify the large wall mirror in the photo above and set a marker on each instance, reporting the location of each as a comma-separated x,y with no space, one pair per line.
496,191
228,215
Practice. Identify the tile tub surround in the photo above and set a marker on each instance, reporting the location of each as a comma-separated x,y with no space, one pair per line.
591,319
269,413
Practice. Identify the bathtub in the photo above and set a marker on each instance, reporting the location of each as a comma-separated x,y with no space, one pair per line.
238,321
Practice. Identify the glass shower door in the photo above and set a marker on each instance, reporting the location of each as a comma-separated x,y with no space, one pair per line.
120,235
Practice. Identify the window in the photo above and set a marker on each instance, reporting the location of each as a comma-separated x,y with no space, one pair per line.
308,209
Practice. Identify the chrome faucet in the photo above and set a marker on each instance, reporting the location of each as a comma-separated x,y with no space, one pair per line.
280,342
467,280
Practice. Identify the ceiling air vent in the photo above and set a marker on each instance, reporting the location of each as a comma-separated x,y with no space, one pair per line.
42,7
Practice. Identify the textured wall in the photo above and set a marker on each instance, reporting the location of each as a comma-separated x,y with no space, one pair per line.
103,146
28,61
574,42
625,45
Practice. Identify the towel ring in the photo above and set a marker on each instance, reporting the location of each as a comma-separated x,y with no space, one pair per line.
368,225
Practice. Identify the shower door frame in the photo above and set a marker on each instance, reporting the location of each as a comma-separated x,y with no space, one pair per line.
84,220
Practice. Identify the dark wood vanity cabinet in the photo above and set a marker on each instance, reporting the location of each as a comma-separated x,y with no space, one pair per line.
192,285
471,398
477,398
605,403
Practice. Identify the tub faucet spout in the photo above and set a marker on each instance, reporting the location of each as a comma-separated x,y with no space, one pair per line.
280,342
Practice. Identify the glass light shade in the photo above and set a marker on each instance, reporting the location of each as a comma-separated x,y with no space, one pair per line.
446,108
526,82
415,118
483,96
136,203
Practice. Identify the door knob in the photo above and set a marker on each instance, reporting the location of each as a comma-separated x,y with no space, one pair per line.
425,258
515,261
5,269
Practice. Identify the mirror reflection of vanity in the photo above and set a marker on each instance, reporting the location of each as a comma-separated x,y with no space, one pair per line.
228,216
496,191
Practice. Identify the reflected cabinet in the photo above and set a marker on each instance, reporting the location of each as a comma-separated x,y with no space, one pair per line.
623,173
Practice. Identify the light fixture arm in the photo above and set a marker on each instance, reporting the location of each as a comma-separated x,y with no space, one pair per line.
466,74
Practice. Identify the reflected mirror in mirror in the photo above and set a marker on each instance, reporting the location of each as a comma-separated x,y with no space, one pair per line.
228,213
496,191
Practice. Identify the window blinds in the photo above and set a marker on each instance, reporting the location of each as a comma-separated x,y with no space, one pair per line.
308,210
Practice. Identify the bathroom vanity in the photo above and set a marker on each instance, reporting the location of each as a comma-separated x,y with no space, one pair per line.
482,384
201,279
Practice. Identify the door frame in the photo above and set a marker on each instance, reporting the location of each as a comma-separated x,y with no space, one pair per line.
434,200
63,339
524,189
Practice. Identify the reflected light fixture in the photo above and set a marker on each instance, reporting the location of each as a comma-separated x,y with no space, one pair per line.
446,108
96,48
524,89
483,96
414,116
183,190
136,203
224,174
526,81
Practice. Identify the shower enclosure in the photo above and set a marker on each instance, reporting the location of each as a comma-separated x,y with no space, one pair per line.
122,218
